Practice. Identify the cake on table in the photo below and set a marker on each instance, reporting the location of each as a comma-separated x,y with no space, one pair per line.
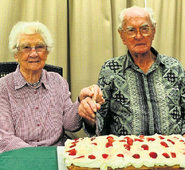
125,152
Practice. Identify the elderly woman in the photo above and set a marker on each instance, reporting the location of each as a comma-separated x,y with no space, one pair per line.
36,107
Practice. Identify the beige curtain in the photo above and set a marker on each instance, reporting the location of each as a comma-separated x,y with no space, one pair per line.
85,32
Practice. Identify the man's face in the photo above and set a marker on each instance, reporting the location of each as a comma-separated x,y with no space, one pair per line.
140,42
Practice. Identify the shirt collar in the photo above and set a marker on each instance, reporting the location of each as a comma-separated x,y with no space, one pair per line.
130,62
21,82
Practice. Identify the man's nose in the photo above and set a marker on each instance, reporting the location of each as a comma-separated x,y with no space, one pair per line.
138,34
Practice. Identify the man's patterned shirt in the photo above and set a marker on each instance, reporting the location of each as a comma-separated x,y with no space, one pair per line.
139,103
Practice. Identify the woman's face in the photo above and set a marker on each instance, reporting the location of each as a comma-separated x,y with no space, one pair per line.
34,60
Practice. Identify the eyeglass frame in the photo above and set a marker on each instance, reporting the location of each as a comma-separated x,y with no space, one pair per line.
30,48
134,35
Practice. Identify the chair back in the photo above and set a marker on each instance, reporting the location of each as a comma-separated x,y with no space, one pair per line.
9,67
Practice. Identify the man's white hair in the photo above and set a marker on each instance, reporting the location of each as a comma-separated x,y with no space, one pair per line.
122,15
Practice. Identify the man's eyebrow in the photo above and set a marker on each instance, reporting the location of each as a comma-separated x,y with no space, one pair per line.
130,27
145,24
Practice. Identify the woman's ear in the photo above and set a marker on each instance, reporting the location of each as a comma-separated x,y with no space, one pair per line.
16,57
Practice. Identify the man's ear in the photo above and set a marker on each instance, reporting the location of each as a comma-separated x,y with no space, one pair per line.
122,36
154,31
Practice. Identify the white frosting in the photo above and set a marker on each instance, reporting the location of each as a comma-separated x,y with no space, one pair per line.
97,147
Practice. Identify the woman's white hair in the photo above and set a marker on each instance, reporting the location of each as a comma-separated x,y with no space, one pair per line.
122,15
29,28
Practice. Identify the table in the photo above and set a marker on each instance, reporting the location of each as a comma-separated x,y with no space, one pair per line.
34,158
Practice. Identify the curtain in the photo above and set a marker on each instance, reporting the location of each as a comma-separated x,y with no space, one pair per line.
85,32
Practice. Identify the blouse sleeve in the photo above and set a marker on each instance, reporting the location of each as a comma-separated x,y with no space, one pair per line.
71,119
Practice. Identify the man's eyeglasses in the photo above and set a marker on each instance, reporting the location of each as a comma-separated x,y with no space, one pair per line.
26,48
132,32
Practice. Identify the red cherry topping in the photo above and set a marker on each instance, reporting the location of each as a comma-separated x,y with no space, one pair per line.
139,140
80,157
173,154
175,137
166,155
164,144
110,141
129,140
93,138
122,140
72,145
161,137
76,140
110,138
127,147
120,155
153,155
136,156
105,156
150,139
108,144
145,146
72,152
141,136
91,157
169,140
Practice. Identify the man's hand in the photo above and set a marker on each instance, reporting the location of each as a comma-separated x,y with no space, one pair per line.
92,91
90,100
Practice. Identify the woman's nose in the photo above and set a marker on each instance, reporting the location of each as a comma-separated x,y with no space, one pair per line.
33,52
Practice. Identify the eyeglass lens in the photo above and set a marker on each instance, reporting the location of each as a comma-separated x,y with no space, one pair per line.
28,48
145,31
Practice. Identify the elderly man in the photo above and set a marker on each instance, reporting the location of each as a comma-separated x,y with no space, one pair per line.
144,91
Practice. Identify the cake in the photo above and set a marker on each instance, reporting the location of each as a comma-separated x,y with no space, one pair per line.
125,152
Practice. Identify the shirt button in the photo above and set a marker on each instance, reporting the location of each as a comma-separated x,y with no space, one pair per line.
37,108
35,92
38,124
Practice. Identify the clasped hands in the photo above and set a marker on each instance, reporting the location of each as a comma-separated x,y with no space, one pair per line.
91,99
